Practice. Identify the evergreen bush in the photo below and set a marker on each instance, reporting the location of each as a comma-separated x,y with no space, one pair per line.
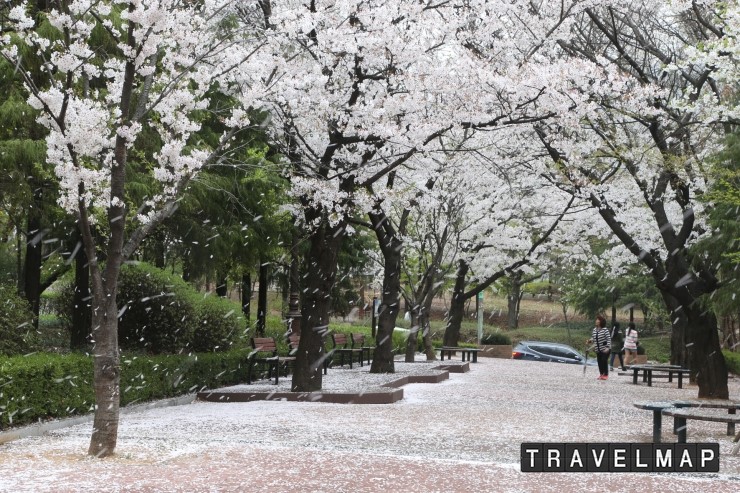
164,314
495,339
50,386
17,334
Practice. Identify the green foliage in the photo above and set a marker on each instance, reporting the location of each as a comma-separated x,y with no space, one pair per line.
732,360
538,287
164,314
44,386
495,338
16,328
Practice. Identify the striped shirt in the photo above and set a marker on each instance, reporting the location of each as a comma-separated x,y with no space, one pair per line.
601,339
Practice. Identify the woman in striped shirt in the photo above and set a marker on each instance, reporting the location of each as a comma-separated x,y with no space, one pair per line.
602,343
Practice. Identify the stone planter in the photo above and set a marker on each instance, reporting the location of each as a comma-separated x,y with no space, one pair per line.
496,351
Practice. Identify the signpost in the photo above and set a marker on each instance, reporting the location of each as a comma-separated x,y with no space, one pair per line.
479,306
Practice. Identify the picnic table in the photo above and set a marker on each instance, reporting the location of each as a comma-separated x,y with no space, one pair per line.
649,370
470,353
657,407
681,410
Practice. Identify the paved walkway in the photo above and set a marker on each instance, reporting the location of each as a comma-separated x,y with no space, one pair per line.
462,434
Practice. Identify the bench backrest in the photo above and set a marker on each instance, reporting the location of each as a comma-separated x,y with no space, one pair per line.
339,340
358,340
264,344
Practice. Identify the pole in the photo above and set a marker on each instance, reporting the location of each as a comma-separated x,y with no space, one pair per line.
479,307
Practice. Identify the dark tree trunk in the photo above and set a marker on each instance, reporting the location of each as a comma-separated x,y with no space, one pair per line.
262,300
246,296
321,270
222,287
426,328
704,354
81,303
390,302
679,355
33,260
457,306
107,376
513,299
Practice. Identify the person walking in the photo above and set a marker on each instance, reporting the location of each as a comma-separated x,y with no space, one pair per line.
617,346
630,344
602,344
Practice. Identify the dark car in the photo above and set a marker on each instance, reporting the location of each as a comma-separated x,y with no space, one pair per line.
549,351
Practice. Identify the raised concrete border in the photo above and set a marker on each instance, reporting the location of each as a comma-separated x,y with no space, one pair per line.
391,391
39,429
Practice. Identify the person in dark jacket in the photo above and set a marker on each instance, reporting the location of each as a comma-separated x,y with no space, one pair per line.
602,344
617,347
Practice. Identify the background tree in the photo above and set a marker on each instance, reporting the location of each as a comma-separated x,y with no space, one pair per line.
158,67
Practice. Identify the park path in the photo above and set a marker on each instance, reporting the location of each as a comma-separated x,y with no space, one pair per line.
462,434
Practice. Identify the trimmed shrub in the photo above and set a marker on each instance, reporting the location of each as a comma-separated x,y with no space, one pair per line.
495,339
164,314
219,324
157,313
16,323
49,386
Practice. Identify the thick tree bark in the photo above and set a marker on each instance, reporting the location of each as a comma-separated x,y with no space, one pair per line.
321,269
390,302
107,376
81,304
457,306
33,257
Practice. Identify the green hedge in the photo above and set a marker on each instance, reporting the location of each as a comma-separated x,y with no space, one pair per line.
44,386
17,335
732,360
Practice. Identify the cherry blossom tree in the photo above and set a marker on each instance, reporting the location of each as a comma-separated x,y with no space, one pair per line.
635,147
114,70
356,89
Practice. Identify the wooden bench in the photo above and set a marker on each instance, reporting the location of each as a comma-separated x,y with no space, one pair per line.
649,371
358,342
293,342
343,346
262,346
700,414
466,352
657,407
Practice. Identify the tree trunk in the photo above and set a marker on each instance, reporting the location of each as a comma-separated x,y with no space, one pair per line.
262,300
457,306
679,322
426,327
107,375
390,302
513,298
222,287
33,260
704,354
246,296
81,303
321,270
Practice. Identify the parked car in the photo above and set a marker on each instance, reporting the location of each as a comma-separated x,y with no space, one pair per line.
549,351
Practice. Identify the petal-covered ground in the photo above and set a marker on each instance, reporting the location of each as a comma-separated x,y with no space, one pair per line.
462,434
